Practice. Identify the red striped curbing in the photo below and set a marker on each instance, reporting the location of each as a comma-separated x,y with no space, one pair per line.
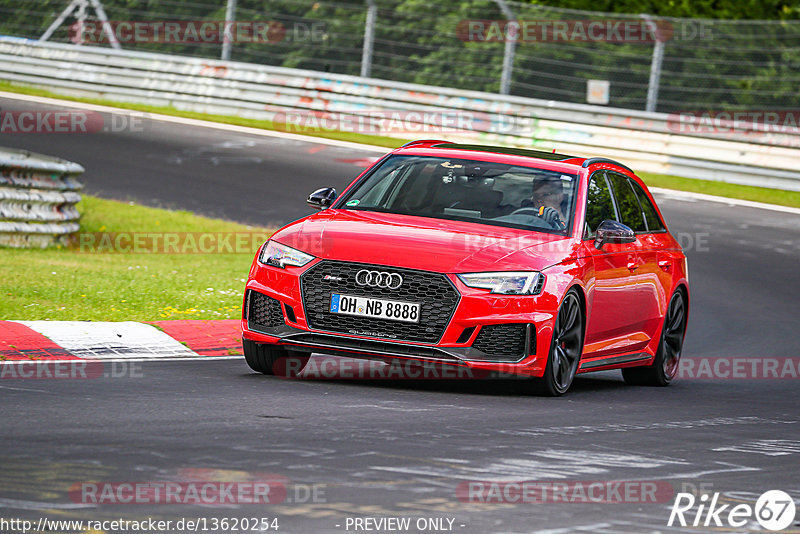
19,343
42,342
206,338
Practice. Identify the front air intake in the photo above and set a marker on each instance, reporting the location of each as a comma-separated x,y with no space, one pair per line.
511,341
263,311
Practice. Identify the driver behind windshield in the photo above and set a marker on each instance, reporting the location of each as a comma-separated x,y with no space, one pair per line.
548,198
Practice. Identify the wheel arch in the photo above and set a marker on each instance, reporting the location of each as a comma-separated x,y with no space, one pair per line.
579,289
683,287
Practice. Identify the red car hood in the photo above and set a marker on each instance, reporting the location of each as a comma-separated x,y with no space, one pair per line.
422,243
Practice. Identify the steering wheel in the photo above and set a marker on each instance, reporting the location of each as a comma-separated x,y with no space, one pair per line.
525,211
556,222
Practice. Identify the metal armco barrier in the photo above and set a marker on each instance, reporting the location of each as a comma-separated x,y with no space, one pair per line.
37,199
651,142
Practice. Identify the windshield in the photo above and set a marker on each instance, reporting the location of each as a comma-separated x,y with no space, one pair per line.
469,190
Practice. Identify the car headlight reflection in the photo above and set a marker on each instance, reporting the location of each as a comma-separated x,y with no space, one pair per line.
506,283
279,255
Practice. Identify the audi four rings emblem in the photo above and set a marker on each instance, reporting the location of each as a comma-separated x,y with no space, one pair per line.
378,279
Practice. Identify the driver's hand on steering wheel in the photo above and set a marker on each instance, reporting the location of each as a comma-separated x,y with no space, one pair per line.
551,216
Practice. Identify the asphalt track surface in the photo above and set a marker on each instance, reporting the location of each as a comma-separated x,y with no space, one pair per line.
391,448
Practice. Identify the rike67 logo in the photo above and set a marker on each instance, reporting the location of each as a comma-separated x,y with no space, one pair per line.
774,510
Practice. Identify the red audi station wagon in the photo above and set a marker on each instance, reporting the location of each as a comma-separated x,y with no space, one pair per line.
497,259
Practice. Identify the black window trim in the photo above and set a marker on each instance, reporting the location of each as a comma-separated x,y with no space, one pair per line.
636,196
611,193
634,185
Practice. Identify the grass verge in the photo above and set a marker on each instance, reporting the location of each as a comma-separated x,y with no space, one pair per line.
743,192
722,189
73,284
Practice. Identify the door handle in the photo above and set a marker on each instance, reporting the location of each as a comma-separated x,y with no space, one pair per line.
665,264
632,265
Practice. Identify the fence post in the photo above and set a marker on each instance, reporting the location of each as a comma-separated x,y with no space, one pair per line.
510,48
230,18
109,31
369,38
79,9
655,65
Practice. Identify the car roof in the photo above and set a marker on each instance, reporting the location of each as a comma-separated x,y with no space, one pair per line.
550,157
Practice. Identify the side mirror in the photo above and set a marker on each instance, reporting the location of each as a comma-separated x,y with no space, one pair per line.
613,232
322,198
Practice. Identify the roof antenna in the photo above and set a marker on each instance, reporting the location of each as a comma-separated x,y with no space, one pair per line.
554,150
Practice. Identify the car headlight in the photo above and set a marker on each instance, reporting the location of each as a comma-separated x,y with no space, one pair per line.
505,283
279,255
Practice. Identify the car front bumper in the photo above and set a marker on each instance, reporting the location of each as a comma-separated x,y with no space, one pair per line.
484,331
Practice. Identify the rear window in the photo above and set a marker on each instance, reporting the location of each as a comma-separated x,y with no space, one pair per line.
630,211
654,222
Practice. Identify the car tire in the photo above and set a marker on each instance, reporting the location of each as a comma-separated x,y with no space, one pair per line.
566,348
274,361
665,364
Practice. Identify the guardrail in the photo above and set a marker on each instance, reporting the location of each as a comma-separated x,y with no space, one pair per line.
752,154
37,199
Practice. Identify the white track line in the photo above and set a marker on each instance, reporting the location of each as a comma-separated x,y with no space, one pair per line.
692,197
673,193
198,122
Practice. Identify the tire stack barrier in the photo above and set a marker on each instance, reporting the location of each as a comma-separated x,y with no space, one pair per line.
37,199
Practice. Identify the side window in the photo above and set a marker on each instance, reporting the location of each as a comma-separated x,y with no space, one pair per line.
654,223
630,212
599,205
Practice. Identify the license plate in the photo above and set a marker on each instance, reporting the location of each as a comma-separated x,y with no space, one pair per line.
377,308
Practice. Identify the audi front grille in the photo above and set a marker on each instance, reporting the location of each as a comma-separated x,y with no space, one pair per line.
434,292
